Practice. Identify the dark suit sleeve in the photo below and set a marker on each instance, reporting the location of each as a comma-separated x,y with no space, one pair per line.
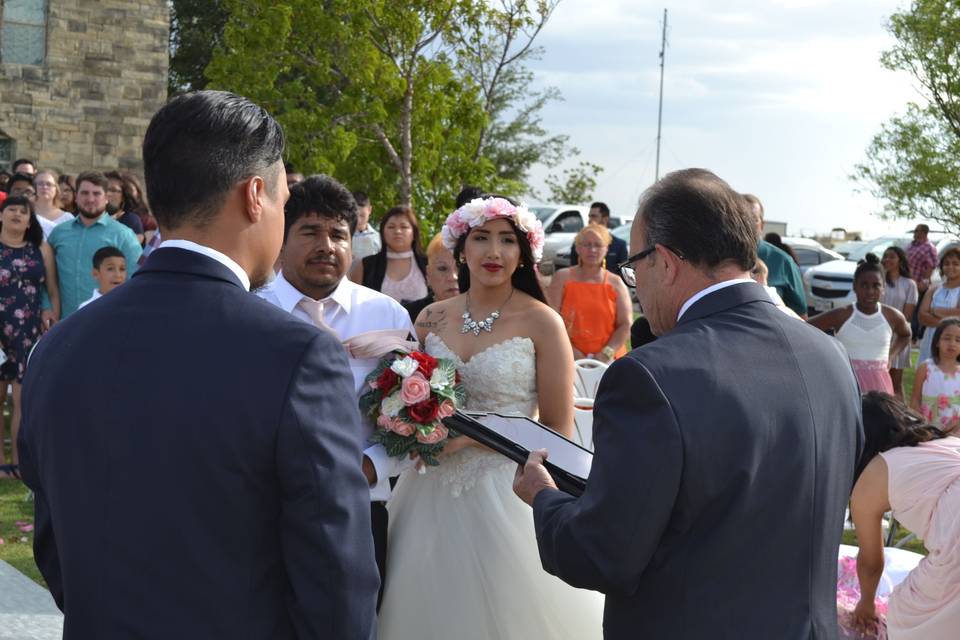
44,544
325,521
605,539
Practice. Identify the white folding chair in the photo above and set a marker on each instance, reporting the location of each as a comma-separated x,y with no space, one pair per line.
583,421
587,374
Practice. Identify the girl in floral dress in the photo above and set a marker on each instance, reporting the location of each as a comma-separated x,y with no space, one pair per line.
936,387
27,268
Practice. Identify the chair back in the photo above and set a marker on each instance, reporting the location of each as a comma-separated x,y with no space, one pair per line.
583,421
586,377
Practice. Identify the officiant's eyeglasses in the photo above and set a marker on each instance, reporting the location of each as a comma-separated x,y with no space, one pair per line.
629,274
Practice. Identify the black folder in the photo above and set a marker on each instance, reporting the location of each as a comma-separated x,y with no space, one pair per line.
515,436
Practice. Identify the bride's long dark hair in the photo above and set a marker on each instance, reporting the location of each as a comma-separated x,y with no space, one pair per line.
524,277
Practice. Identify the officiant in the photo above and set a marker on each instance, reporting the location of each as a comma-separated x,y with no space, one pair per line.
716,499
319,220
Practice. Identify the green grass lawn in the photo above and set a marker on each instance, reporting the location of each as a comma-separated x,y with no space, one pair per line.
17,547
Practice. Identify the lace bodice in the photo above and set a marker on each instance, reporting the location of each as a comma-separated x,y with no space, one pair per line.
502,378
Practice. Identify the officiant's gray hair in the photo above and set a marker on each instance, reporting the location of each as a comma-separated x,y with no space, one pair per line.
702,219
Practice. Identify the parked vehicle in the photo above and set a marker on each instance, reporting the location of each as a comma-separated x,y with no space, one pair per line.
830,285
810,252
846,248
557,247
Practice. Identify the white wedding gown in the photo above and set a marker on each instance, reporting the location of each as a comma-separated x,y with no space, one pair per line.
462,557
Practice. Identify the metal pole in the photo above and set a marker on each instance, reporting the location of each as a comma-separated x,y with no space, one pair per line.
663,54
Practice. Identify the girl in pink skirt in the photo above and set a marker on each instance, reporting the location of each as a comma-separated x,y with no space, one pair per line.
872,333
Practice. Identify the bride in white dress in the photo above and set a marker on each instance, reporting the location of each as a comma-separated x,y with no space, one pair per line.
463,554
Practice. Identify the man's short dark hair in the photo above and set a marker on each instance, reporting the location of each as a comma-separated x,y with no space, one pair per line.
604,209
697,215
19,161
467,194
920,227
323,196
363,200
93,177
20,177
198,147
106,252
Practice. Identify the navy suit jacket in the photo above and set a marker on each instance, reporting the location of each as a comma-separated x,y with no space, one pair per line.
195,456
725,455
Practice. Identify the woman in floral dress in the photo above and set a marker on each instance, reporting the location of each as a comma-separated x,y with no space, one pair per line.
27,269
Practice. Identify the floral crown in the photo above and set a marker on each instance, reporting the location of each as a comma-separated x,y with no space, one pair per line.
480,210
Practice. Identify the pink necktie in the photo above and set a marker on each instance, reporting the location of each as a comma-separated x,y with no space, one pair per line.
314,309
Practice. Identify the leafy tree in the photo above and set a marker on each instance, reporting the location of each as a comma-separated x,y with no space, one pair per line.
196,29
408,101
577,184
913,163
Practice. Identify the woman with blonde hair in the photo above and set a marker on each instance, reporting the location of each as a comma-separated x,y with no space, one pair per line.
442,278
595,307
47,205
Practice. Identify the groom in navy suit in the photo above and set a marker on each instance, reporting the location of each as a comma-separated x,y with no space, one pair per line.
725,449
204,481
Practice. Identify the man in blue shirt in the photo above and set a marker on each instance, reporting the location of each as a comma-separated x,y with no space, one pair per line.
75,242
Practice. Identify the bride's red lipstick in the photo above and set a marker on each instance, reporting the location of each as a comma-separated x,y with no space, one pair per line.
492,267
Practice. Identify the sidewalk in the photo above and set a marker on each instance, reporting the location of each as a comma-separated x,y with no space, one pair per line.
27,611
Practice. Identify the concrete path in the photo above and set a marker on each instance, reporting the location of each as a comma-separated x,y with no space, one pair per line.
27,611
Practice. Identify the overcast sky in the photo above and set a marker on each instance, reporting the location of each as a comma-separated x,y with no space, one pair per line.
778,97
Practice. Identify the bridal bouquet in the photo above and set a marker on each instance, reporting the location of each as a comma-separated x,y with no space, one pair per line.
407,396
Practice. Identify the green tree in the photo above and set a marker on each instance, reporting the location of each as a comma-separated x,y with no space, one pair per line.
577,184
196,29
407,101
913,163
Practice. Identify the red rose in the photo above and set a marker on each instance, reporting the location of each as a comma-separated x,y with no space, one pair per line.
387,380
424,412
427,363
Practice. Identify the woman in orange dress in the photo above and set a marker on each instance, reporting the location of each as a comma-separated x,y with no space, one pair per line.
594,303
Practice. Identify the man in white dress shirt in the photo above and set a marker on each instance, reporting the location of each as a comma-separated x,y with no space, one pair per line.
320,218
366,239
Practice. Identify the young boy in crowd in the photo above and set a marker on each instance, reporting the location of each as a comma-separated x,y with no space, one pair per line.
109,270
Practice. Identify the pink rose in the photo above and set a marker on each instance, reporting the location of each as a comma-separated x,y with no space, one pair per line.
414,389
439,433
499,208
402,427
943,402
446,409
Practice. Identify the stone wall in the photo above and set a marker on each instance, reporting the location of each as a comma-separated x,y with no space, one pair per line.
104,76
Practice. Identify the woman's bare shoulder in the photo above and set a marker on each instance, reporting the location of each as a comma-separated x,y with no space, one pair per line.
437,316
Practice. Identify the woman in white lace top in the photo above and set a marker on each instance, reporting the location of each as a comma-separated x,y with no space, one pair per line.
399,268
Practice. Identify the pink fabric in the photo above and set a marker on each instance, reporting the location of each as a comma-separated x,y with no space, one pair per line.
376,344
873,375
924,487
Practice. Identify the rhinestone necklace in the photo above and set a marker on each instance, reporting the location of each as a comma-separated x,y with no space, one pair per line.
472,326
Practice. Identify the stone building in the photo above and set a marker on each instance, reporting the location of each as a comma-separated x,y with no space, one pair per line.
80,80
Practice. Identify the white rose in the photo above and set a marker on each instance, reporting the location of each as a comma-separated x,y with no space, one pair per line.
391,405
405,367
438,379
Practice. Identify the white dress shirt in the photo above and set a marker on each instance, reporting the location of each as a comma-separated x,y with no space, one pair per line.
349,311
222,258
96,294
708,291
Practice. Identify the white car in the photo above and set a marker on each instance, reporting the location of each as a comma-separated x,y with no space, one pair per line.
810,252
556,249
830,285
561,222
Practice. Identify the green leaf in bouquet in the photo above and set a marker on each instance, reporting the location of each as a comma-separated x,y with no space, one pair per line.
460,396
429,452
395,445
449,370
370,401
